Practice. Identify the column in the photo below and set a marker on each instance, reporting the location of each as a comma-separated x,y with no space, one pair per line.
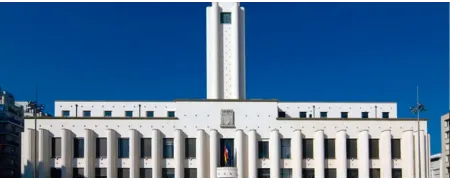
341,154
428,155
156,154
213,52
416,155
44,153
112,153
297,154
66,153
422,154
385,154
213,153
319,154
274,154
135,153
200,153
252,154
407,144
179,154
235,51
89,153
30,163
363,154
239,153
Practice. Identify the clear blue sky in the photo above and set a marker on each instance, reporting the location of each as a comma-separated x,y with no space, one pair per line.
295,52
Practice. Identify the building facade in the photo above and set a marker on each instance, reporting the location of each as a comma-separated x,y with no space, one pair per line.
435,166
445,139
225,135
11,128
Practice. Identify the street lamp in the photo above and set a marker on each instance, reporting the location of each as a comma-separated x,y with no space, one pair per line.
36,109
416,110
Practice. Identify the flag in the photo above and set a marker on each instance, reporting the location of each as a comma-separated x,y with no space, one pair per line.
225,154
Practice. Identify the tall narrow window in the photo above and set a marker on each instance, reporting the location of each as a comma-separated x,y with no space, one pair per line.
396,149
100,147
168,148
285,148
190,149
308,148
374,149
263,173
225,18
56,147
226,153
263,150
124,148
146,148
352,149
78,148
330,149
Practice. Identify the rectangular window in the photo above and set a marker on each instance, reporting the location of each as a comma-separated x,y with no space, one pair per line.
374,173
385,115
86,113
352,173
128,113
226,152
107,113
307,173
323,114
56,147
302,114
285,148
168,148
190,172
123,172
124,148
263,173
330,173
168,173
285,173
171,114
396,149
330,149
263,149
55,173
78,173
146,148
150,114
190,149
66,113
100,147
78,148
397,173
281,114
100,173
352,149
225,18
374,149
344,114
308,148
365,115
145,172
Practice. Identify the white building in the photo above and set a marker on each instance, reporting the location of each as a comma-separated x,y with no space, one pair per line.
445,145
435,166
190,138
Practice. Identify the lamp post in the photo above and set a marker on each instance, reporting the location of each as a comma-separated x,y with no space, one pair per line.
416,110
36,109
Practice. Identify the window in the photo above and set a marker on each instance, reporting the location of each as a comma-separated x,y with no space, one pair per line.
302,114
190,149
128,113
225,18
55,173
78,173
352,149
100,173
123,172
323,114
344,114
330,173
146,148
352,173
285,148
365,115
145,172
66,113
374,149
263,150
285,173
263,173
107,113
168,148
100,147
56,147
374,173
310,115
307,173
168,173
281,114
226,153
171,114
78,148
308,148
86,113
330,149
190,172
396,173
396,149
385,115
124,148
150,114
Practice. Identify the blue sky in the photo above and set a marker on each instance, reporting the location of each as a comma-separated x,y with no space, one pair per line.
295,52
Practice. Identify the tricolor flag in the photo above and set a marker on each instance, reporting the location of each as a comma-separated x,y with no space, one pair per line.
225,154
